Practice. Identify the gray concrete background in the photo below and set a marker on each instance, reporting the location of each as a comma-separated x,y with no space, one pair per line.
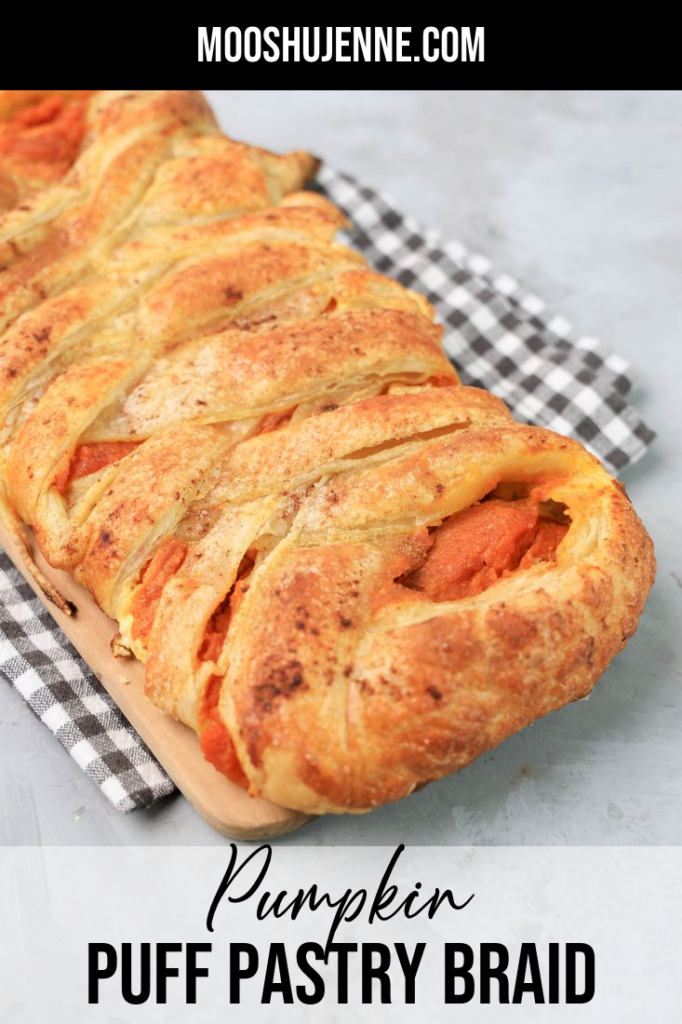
579,195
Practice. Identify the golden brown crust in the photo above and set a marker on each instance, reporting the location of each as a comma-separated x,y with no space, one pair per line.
292,430
407,689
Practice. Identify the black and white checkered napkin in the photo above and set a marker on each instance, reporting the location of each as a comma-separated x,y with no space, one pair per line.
55,682
499,337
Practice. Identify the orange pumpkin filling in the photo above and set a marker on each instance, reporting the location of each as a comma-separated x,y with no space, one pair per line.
215,634
273,421
44,138
218,624
479,546
88,458
163,565
214,737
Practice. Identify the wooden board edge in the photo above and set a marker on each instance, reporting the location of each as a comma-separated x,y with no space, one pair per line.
225,806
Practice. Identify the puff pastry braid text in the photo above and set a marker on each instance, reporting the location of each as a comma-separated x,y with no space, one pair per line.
349,574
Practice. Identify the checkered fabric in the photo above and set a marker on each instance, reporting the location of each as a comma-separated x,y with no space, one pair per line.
498,336
57,685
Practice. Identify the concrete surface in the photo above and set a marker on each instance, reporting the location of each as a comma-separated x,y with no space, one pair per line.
578,195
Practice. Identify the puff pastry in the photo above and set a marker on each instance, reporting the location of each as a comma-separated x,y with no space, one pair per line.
348,573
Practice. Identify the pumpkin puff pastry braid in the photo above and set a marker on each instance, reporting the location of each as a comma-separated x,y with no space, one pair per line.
348,573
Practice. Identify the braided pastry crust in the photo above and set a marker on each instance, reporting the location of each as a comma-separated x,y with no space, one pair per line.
348,573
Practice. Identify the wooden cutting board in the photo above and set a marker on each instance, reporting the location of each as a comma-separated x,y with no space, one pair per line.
224,805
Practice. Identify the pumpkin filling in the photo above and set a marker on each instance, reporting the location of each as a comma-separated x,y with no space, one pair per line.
273,421
475,548
162,566
214,738
89,458
47,133
218,624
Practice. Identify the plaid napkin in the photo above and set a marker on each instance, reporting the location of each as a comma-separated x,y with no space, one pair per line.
57,685
499,337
